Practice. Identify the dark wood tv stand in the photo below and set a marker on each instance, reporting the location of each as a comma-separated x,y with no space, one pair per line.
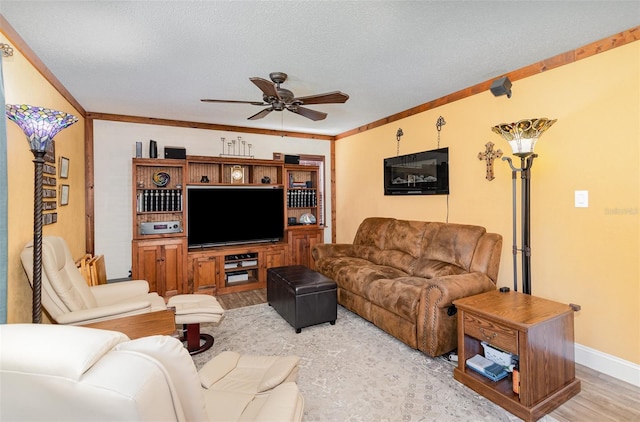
539,331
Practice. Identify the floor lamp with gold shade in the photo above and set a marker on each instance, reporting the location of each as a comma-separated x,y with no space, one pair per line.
522,137
40,125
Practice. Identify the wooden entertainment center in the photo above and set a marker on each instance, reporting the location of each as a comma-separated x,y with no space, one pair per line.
160,251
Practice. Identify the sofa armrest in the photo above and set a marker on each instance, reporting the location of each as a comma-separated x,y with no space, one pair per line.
285,403
454,287
324,250
437,324
214,370
102,313
112,292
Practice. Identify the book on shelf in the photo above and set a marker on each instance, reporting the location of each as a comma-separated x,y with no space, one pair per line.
157,200
486,367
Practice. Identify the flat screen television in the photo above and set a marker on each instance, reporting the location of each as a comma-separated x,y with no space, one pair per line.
422,173
228,215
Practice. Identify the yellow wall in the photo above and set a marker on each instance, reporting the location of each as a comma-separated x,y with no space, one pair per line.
588,256
24,85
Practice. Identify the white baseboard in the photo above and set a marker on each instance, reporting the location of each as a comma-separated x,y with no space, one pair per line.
608,364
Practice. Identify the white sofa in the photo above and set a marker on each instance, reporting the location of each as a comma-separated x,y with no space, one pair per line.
68,373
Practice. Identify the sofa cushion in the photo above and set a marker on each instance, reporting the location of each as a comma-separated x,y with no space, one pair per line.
371,232
429,268
60,271
331,267
405,236
452,243
178,367
37,349
399,295
397,259
358,278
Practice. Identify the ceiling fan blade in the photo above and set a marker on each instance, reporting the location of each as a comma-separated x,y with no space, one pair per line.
208,100
261,114
308,113
327,98
267,87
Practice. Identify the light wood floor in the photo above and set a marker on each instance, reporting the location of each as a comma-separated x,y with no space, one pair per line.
602,399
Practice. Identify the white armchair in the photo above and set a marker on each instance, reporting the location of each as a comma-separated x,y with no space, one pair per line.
66,373
69,300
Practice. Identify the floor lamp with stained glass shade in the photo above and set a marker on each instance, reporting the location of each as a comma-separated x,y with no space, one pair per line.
522,137
40,125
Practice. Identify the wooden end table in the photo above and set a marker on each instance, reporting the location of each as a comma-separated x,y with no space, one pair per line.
539,331
141,325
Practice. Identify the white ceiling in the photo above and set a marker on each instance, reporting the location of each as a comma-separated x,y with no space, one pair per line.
159,58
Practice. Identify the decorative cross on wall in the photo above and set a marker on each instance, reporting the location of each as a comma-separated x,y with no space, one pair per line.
489,155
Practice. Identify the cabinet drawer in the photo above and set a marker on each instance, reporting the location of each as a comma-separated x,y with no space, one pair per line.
497,335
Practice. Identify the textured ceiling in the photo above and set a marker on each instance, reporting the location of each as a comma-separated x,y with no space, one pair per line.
159,58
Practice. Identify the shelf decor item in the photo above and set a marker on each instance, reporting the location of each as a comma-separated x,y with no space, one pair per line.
161,179
307,218
522,137
40,125
237,174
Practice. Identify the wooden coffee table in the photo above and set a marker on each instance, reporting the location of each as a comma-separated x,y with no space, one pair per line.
142,325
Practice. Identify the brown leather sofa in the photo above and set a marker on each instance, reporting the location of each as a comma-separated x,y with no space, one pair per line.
404,275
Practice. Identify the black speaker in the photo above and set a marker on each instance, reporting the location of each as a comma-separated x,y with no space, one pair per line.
175,152
501,86
153,149
292,159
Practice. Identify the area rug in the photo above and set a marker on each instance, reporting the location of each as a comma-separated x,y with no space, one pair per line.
353,371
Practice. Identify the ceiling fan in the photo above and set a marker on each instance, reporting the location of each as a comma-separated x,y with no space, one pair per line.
278,99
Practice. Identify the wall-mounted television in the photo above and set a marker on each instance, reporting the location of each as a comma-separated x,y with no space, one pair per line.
422,173
229,215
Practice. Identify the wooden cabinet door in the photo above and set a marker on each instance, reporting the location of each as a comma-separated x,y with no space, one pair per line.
275,258
301,242
272,257
147,258
206,270
161,263
172,268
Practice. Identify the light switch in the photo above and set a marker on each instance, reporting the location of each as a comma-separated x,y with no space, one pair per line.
582,198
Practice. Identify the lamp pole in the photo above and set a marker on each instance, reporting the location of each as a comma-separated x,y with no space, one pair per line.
38,161
526,162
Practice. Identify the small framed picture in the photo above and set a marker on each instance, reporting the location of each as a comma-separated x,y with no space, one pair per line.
64,167
64,194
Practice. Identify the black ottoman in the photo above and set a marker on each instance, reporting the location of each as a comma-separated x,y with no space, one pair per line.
301,296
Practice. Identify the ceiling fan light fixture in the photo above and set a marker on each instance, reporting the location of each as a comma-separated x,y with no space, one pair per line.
279,99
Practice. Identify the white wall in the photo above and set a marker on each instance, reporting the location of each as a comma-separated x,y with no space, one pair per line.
114,147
